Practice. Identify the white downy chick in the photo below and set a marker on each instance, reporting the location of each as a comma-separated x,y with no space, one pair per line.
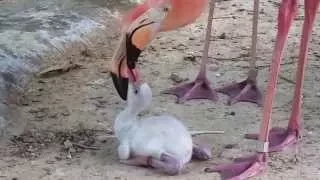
151,136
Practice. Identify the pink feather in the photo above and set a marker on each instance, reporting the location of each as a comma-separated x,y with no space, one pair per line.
132,15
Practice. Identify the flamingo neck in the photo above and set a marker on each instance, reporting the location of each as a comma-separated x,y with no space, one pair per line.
125,121
132,15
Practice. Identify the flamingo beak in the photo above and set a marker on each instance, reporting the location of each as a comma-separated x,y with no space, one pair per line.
134,79
121,82
138,35
121,85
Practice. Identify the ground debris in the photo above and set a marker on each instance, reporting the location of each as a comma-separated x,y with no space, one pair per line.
30,144
191,58
176,78
231,146
59,69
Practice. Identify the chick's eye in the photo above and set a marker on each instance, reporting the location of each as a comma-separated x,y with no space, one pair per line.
135,91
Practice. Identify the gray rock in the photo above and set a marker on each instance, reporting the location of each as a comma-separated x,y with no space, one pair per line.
31,30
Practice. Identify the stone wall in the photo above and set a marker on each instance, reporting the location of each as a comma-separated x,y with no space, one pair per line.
33,30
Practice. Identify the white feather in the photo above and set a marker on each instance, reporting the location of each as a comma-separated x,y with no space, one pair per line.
151,136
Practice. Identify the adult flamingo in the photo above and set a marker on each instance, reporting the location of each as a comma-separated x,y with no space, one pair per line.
147,19
276,139
140,27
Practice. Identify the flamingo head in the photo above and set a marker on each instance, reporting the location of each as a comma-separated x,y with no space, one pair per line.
139,28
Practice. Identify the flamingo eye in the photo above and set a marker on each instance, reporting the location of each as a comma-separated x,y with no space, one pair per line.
166,8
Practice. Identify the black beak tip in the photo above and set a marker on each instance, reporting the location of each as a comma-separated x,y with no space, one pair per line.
121,85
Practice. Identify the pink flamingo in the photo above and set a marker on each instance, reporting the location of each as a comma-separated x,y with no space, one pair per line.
140,28
277,139
154,16
246,90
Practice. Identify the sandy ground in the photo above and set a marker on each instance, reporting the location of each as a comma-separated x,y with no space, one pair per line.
62,113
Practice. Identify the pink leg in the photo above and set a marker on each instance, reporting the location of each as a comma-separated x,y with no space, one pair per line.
280,138
200,87
249,167
167,163
247,90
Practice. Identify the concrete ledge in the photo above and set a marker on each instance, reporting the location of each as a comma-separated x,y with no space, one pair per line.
33,33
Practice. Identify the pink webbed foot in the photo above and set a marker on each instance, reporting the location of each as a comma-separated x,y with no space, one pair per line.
245,91
201,153
241,168
168,164
279,138
198,89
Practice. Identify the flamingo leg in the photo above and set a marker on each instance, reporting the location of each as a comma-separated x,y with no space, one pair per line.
279,138
200,87
247,90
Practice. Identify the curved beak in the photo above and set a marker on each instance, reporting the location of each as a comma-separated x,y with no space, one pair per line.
133,80
121,85
121,67
136,37
121,82
118,69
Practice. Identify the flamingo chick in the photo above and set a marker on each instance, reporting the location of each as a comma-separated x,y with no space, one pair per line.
161,142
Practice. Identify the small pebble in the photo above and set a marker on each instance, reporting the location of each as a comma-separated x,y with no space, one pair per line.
103,138
58,158
67,144
69,156
50,162
230,146
65,112
176,78
41,81
155,73
222,36
190,58
48,171
72,150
